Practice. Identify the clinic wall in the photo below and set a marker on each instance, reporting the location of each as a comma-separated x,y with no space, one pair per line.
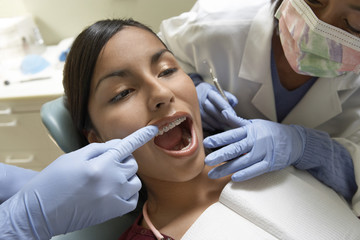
59,19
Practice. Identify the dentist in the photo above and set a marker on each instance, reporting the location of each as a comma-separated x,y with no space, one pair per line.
294,67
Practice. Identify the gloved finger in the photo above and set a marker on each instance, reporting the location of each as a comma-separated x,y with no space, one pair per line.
109,172
234,166
211,110
135,140
225,169
119,207
207,122
127,190
207,127
128,166
218,172
225,138
93,150
250,172
218,101
130,204
233,119
210,117
135,183
232,99
227,153
218,120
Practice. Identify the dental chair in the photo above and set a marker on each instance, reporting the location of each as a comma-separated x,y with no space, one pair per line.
58,122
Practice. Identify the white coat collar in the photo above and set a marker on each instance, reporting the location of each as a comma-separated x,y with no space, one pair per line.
322,101
315,108
319,104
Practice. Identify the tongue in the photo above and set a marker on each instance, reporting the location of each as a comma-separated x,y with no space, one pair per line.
169,139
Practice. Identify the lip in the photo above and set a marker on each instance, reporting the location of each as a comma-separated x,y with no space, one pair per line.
194,141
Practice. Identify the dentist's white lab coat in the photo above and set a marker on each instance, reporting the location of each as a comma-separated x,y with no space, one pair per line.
234,37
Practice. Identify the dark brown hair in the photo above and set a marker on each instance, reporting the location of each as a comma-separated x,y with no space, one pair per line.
277,4
80,64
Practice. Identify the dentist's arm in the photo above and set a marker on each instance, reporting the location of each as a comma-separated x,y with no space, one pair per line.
271,146
12,179
78,190
260,146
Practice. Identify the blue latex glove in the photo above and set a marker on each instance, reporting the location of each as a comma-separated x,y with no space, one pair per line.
213,108
79,189
254,148
13,178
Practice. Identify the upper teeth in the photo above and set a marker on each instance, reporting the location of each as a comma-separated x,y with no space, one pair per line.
171,126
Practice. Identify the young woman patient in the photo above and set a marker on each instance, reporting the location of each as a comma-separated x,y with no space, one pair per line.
128,80
120,77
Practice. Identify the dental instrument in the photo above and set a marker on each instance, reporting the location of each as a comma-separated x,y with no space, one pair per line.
8,82
216,83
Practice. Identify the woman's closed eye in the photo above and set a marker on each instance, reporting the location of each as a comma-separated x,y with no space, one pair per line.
351,29
123,94
313,2
167,72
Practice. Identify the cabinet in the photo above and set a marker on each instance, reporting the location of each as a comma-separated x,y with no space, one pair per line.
24,141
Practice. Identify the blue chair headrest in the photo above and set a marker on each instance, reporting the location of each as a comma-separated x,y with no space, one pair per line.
56,118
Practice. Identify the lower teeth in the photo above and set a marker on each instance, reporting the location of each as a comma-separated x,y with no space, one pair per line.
189,143
186,140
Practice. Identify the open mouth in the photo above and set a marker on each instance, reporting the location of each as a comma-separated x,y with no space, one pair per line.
176,135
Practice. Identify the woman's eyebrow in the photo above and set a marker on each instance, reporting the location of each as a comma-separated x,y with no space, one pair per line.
118,73
355,7
155,58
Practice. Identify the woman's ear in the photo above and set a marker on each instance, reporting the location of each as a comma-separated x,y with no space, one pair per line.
92,136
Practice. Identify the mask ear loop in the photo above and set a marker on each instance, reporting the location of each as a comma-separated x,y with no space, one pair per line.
149,223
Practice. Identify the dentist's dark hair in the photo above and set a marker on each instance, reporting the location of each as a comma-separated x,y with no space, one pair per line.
80,64
277,4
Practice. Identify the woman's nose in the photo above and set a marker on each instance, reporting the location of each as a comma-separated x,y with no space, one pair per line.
160,95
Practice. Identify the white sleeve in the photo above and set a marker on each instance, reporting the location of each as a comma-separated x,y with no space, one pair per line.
211,30
174,33
354,150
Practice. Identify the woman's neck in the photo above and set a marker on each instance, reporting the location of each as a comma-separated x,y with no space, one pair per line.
173,207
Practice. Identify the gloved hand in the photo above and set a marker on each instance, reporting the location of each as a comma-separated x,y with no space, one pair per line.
213,107
254,148
79,189
13,178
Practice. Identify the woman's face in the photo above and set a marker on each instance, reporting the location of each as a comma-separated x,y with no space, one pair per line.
137,82
344,14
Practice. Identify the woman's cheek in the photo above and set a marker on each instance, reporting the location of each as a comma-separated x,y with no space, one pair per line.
119,124
142,157
119,132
